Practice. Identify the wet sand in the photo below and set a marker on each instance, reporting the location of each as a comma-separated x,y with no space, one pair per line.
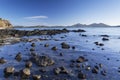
96,64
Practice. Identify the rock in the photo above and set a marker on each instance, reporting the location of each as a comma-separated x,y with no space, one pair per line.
25,73
94,70
61,70
28,64
103,73
4,24
17,73
54,48
57,71
61,54
2,60
46,45
32,49
42,61
9,70
73,47
65,45
81,75
101,44
104,35
105,39
72,65
78,65
81,59
33,44
83,35
42,70
36,77
18,57
88,67
97,43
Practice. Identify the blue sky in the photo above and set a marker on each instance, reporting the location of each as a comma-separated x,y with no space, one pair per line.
60,12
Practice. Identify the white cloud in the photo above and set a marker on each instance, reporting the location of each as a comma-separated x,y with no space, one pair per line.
36,17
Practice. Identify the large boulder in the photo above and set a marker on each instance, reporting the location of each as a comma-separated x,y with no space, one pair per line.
5,24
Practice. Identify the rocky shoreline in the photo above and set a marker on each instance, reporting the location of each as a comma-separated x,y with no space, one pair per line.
51,58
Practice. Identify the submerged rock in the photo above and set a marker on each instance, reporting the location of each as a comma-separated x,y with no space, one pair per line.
81,75
18,57
65,45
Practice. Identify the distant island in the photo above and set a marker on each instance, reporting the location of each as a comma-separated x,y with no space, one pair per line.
72,26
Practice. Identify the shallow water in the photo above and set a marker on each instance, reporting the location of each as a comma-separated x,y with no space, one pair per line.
84,46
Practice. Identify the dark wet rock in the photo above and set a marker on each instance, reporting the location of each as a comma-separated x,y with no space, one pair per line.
73,47
65,45
57,71
104,35
72,65
18,57
46,45
9,70
81,59
94,70
81,75
105,39
16,73
42,70
73,61
96,67
54,48
108,58
33,44
83,35
25,73
32,49
61,70
77,65
99,44
42,61
61,54
28,64
36,77
103,73
2,60
79,30
102,49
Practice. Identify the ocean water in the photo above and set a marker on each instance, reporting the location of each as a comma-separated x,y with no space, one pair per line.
93,34
83,47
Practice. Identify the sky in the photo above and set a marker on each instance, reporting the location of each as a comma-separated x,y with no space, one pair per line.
60,12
